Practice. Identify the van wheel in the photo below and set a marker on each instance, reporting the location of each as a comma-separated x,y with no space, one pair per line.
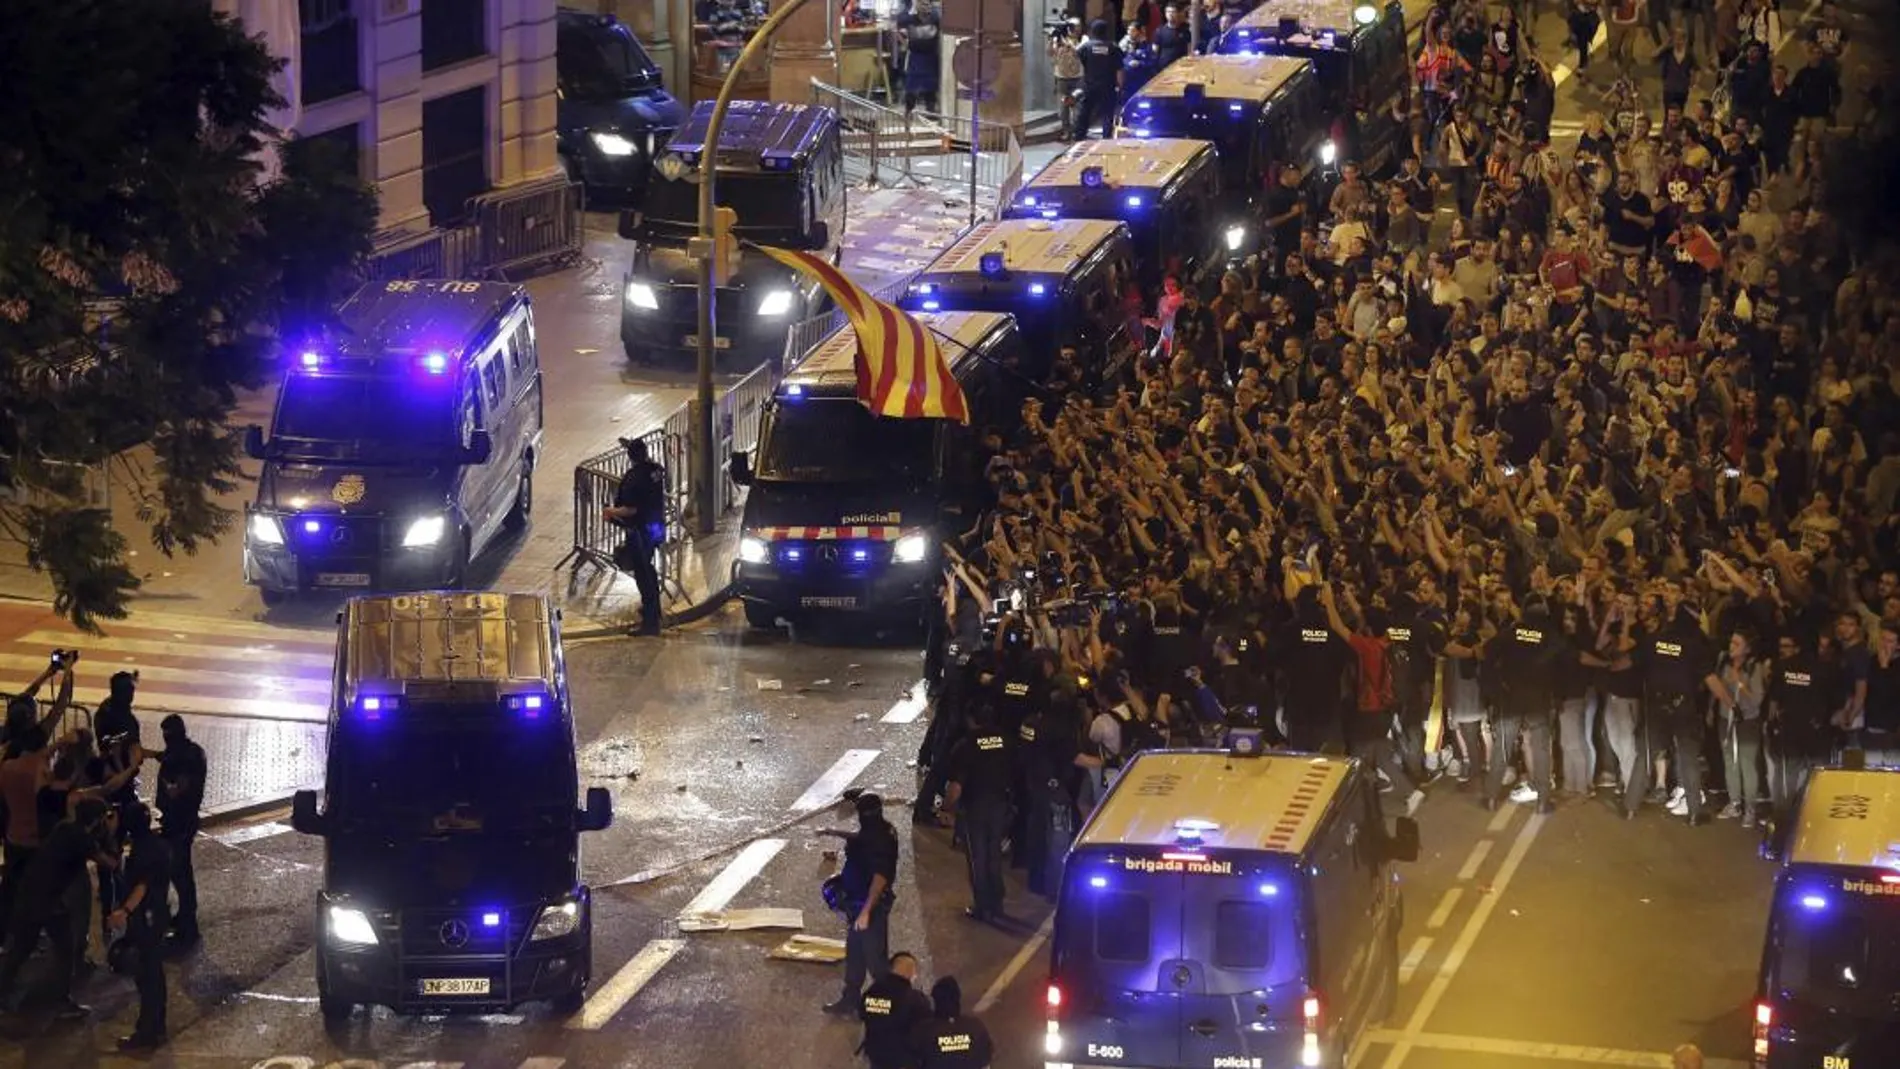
523,509
272,598
760,617
1389,993
333,1009
569,1003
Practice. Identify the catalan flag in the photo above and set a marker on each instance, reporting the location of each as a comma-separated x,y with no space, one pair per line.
901,369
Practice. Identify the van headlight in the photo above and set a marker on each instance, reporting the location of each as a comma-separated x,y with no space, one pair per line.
752,550
641,296
910,549
776,303
351,927
1328,153
426,531
1236,237
556,921
266,530
612,144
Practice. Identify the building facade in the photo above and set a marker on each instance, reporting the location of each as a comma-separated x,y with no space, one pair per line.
436,101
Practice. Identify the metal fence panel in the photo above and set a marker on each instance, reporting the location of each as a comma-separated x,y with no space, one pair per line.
450,253
527,228
884,145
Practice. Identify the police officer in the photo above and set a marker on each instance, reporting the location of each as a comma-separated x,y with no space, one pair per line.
145,915
1675,662
951,1040
865,885
967,682
980,773
1526,660
1798,711
181,792
893,1009
1174,38
639,510
1101,81
1312,666
1415,632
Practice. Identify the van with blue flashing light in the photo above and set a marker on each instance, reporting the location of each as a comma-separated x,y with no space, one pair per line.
1261,112
1226,908
403,442
781,170
846,511
1167,190
1359,57
1065,280
451,837
1829,994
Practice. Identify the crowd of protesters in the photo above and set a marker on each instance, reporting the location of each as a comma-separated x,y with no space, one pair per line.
1567,465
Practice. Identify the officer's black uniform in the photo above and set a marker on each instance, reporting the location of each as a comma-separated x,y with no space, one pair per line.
1675,661
1101,70
981,767
964,686
149,868
1048,744
891,1012
1313,662
950,1039
643,490
1526,654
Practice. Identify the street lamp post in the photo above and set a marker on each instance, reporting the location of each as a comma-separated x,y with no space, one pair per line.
705,465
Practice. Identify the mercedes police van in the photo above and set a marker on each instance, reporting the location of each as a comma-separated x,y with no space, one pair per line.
1262,113
611,107
1227,909
781,169
401,445
1166,189
1065,281
1829,995
1359,56
451,838
846,510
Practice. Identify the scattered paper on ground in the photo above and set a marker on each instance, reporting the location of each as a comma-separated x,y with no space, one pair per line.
771,684
742,920
802,947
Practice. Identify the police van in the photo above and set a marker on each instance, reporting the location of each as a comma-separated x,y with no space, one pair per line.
1829,995
845,509
1226,909
1065,280
1359,56
1261,112
1166,189
451,859
401,445
781,169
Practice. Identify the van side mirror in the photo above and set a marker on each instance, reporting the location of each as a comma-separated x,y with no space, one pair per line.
254,442
304,817
629,225
598,813
479,448
740,468
1403,845
820,234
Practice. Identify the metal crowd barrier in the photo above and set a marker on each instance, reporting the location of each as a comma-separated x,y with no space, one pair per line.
508,233
597,482
884,145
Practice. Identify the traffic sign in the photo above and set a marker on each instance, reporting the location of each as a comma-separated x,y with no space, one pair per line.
976,66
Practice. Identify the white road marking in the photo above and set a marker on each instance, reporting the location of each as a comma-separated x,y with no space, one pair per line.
1561,72
1441,981
617,992
1446,903
1478,854
1413,958
1016,965
1501,818
742,870
543,1063
1557,1052
909,707
835,780
248,833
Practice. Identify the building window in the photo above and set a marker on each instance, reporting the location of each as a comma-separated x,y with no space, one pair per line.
454,153
330,59
344,145
452,31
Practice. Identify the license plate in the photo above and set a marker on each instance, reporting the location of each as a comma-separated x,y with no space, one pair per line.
691,341
828,603
343,579
465,985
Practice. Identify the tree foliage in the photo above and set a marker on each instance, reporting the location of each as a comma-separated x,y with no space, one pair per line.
146,262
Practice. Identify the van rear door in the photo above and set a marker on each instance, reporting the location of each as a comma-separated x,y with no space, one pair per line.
1242,975
1116,947
1833,983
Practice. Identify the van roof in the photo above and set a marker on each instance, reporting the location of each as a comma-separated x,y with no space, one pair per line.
753,128
1030,246
402,316
1313,16
833,361
1849,817
1273,802
1249,78
1131,163
447,637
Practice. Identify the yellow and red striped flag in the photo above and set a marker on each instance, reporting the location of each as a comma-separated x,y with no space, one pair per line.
901,369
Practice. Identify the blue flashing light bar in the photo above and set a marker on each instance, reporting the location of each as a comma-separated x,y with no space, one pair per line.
435,363
491,919
1194,93
311,359
1098,881
1092,177
1037,289
992,265
928,287
1144,132
528,705
373,706
1029,200
1814,902
860,554
1269,890
931,306
1236,107
794,390
1050,213
1144,105
1134,200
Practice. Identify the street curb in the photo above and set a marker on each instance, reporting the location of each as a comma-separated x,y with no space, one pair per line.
691,614
236,811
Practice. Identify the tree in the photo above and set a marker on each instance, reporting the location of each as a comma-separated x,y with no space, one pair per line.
146,265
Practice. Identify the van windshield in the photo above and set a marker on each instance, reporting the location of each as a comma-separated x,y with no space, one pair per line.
1841,951
456,771
765,202
837,441
603,62
367,411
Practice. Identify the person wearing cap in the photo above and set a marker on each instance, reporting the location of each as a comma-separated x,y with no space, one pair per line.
866,884
181,793
39,905
639,509
951,1039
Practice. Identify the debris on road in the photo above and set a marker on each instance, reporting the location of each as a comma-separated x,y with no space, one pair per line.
862,716
812,948
821,682
771,684
742,920
609,759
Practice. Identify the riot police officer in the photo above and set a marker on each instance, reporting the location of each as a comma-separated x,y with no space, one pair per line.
950,1039
892,1010
1101,81
639,510
980,772
1675,661
967,680
1527,661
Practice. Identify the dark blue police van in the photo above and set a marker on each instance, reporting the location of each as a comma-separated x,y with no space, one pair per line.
1261,112
402,444
612,110
847,511
781,169
451,837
